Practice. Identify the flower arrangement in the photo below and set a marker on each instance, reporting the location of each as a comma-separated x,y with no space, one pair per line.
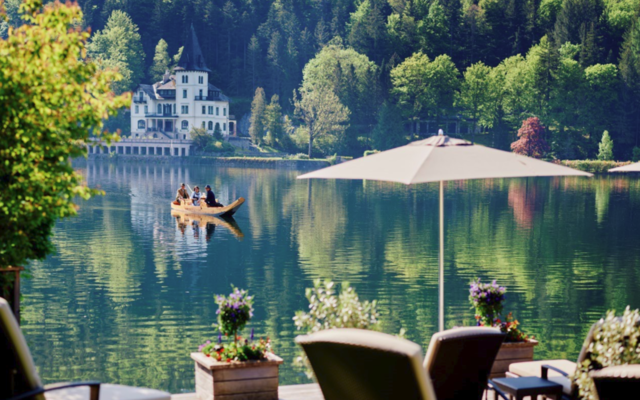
234,312
487,299
616,341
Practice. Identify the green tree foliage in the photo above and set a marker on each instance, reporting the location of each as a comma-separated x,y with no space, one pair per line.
51,100
258,106
325,117
538,53
578,22
273,124
476,95
201,138
389,132
621,14
605,147
349,74
161,61
367,30
353,78
424,88
630,94
176,57
118,46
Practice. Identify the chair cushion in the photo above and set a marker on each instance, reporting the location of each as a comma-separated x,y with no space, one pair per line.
534,368
109,392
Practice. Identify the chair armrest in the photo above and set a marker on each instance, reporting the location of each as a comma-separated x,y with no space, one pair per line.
94,390
491,385
545,371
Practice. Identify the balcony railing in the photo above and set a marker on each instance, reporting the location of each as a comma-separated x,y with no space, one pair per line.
207,98
139,100
161,115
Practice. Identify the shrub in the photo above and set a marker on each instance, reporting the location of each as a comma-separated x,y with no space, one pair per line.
201,139
636,154
328,310
616,341
219,147
301,156
605,147
487,299
234,312
370,152
593,166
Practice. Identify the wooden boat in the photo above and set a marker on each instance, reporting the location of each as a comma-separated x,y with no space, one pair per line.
204,209
202,220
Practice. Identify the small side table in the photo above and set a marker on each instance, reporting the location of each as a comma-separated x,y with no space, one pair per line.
528,386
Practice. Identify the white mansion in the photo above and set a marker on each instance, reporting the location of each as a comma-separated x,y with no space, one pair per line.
169,109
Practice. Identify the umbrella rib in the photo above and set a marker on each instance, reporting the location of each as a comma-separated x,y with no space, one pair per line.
419,167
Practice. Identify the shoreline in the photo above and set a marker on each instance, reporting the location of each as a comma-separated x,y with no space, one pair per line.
230,162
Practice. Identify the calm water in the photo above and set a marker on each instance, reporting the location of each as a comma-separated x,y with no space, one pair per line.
129,293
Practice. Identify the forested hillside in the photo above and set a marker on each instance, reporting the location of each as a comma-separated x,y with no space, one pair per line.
575,64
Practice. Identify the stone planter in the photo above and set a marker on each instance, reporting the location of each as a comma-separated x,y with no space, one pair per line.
247,380
512,353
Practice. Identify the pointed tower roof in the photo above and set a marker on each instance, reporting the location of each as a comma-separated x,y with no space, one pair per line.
192,58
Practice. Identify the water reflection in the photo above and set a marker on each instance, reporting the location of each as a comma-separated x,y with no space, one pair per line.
130,291
205,223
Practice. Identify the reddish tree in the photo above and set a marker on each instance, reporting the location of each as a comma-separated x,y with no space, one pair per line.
531,142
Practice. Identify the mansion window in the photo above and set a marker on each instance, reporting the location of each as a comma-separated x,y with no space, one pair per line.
224,127
159,109
185,79
174,109
203,125
141,124
201,80
210,125
184,109
184,94
210,110
201,94
137,110
217,110
224,112
217,126
146,109
204,110
185,124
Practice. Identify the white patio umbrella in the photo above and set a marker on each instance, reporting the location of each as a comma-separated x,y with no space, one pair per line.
627,168
440,159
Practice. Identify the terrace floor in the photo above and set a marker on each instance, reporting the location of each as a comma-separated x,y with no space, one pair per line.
293,392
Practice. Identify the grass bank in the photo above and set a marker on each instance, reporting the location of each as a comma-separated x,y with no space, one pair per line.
594,166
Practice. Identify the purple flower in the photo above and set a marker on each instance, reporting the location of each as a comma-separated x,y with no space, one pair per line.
252,334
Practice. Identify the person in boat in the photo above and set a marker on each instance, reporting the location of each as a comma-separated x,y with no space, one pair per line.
195,197
211,198
182,194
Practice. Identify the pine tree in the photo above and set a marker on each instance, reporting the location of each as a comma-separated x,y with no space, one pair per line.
256,129
389,132
605,148
161,62
253,61
273,121
119,46
176,58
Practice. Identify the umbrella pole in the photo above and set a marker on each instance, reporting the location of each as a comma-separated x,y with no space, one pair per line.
441,261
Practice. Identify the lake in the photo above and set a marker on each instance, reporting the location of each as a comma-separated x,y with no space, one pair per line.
129,293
